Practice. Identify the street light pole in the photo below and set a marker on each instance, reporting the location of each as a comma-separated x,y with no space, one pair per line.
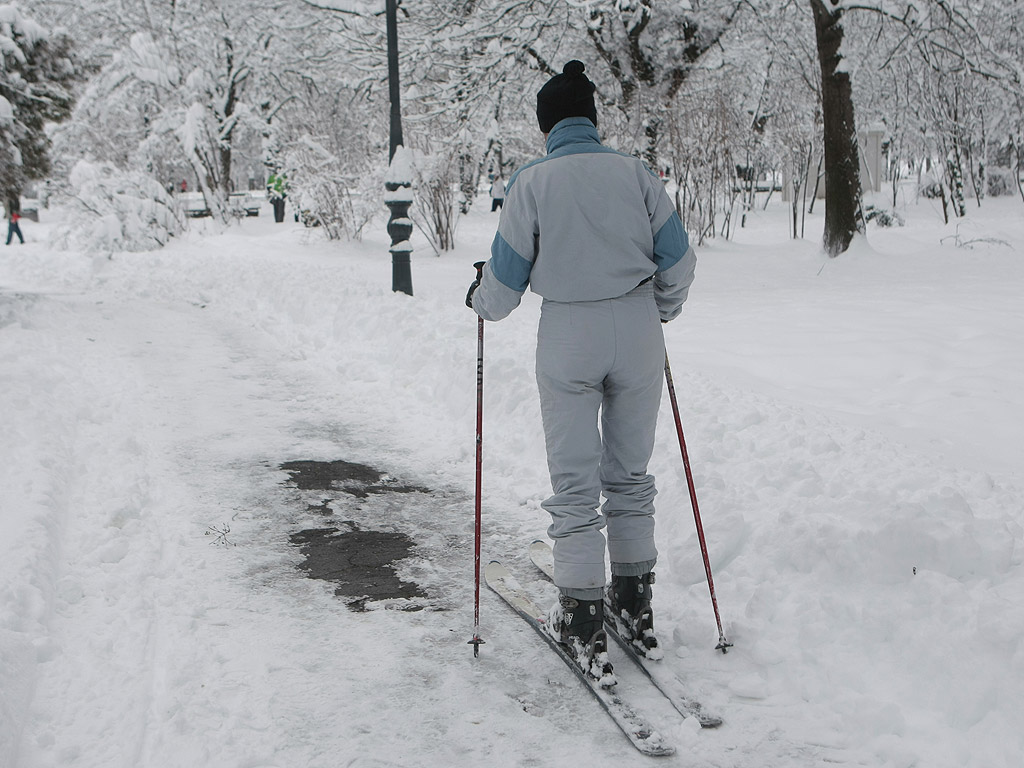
398,183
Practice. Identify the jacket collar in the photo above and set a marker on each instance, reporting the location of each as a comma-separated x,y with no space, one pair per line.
572,130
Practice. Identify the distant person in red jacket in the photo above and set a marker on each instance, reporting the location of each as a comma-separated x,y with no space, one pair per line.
13,228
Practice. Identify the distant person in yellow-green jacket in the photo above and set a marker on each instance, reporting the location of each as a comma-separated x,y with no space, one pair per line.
277,191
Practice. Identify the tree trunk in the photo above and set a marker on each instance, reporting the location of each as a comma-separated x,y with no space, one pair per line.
806,184
843,217
1019,170
227,122
817,183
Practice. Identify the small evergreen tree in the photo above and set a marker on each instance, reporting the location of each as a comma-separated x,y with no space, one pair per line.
36,75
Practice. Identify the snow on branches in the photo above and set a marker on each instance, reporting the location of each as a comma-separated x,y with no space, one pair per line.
115,210
36,74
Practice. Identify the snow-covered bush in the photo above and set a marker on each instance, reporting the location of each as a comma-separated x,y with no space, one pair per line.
883,217
929,186
436,180
1000,182
327,192
116,210
701,135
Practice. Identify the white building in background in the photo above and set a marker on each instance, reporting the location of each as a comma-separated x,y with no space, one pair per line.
872,165
872,162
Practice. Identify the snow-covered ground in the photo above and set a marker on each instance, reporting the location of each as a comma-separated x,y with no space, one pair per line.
853,426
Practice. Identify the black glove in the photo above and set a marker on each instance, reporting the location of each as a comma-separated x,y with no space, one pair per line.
476,283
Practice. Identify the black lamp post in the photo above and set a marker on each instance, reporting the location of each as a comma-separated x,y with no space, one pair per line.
398,183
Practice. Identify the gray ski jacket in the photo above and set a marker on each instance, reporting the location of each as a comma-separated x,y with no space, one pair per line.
585,223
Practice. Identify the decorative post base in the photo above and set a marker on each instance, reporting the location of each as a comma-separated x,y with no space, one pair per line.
401,272
400,229
398,198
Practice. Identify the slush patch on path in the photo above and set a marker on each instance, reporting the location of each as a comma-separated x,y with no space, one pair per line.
361,563
356,479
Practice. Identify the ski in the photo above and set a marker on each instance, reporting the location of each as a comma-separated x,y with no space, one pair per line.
663,679
635,727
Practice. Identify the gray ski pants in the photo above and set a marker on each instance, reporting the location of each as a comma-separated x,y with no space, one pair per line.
602,358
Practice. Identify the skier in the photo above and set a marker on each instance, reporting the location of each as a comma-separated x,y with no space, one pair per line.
594,233
497,193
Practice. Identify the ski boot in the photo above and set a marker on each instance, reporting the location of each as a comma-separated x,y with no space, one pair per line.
629,601
579,626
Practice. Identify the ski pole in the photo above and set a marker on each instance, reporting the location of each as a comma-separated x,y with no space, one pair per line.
476,642
723,644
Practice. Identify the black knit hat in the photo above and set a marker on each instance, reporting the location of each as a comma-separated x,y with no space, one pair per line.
570,94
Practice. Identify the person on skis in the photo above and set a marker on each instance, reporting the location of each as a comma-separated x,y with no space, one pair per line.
594,233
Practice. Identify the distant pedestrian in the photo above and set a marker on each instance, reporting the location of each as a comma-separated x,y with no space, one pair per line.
13,228
184,185
277,192
497,193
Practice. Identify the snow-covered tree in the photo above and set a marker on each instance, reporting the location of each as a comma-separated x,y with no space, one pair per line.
716,94
334,155
944,81
941,54
184,85
37,73
645,51
489,57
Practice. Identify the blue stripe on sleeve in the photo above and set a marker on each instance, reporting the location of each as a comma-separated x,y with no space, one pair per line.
511,269
670,243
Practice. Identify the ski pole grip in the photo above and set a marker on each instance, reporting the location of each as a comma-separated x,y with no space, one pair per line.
479,269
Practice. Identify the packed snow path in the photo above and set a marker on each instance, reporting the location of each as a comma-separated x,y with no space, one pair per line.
173,625
154,611
160,646
178,629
